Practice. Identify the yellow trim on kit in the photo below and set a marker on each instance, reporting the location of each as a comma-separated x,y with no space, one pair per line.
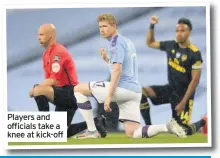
193,47
144,106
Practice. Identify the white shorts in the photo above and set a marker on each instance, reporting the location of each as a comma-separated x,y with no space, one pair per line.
128,101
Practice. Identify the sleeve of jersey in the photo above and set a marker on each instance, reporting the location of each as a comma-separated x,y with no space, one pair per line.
56,67
165,45
196,61
118,54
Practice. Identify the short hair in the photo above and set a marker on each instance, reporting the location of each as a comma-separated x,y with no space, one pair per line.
186,22
107,17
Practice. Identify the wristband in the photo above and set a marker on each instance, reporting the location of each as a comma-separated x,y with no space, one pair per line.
151,26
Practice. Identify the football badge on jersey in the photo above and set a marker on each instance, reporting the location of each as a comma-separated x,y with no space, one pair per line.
184,57
56,58
55,67
178,54
173,51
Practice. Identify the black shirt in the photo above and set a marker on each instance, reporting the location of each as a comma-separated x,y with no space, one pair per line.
181,62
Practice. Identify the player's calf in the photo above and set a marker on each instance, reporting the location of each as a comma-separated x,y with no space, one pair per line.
145,108
149,131
42,101
144,105
130,128
85,108
153,130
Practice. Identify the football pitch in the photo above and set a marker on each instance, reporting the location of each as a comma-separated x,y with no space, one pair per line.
120,138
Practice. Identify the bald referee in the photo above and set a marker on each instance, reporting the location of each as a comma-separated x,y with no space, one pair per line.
60,79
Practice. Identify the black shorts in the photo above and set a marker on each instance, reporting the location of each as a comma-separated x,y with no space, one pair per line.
167,94
64,98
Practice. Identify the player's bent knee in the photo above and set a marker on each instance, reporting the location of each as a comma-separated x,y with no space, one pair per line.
43,90
144,92
130,128
83,88
149,92
35,85
77,88
38,90
80,97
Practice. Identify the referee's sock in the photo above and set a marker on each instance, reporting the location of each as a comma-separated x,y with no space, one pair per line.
194,127
76,128
42,103
145,109
70,114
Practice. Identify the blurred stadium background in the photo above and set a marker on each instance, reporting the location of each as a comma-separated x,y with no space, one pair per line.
77,29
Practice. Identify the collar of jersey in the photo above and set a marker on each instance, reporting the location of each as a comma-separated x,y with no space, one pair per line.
49,50
113,38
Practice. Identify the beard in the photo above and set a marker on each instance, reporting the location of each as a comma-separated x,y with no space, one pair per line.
181,41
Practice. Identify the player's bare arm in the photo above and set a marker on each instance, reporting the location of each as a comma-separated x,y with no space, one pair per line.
115,77
150,35
191,88
104,55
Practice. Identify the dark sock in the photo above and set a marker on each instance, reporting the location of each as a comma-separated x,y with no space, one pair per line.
70,114
95,119
194,127
42,103
145,110
76,128
146,116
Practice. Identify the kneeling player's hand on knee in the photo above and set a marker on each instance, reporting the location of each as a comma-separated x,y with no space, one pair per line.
107,105
180,108
31,93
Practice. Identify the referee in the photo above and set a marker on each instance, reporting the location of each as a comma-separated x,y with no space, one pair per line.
60,79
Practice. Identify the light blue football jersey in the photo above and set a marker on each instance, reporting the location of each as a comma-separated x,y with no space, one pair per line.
122,50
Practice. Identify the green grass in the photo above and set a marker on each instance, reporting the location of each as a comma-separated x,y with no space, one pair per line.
120,138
